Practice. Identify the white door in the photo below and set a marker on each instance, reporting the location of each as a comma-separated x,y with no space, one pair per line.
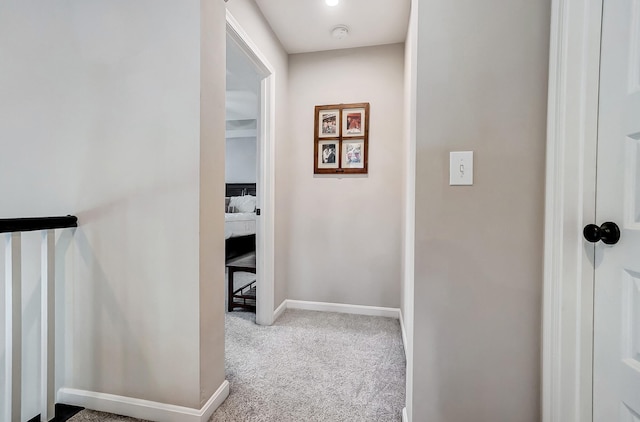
616,369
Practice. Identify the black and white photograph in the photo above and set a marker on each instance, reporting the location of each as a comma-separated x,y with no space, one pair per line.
328,154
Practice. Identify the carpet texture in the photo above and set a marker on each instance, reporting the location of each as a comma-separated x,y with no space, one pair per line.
313,366
93,416
308,367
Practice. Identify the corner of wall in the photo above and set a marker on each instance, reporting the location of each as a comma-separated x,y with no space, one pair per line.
211,218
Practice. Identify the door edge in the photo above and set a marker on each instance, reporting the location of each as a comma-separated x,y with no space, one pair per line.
567,338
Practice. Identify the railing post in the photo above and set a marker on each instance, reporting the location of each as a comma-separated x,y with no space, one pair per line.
13,328
11,236
47,327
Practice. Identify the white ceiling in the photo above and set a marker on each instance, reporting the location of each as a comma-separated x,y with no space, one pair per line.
305,25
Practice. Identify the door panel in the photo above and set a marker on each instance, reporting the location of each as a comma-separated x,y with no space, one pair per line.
632,182
616,368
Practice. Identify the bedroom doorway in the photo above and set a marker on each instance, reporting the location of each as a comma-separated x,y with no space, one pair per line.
250,134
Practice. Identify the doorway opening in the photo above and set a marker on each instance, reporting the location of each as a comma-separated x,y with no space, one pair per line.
249,176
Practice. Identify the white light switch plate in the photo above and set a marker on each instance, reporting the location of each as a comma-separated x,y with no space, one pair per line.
461,168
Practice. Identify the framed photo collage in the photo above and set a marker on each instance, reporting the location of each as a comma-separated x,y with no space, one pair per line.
341,138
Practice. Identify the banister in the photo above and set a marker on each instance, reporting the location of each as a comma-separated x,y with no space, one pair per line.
11,230
10,225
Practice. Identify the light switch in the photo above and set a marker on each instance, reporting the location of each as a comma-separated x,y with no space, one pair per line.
461,168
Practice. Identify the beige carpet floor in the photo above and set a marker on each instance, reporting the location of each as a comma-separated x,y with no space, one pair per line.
308,367
93,416
314,367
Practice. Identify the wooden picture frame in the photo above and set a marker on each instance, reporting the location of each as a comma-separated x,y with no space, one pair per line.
341,139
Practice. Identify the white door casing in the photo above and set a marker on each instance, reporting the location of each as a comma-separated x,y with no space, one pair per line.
265,223
569,205
616,352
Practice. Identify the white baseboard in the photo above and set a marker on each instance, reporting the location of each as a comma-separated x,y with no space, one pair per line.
143,409
279,310
405,416
403,330
343,308
404,335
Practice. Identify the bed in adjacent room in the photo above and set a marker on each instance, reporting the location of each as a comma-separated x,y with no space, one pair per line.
239,224
240,245
240,219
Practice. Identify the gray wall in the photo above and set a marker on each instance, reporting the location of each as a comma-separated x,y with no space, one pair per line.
212,190
241,160
482,86
101,116
344,232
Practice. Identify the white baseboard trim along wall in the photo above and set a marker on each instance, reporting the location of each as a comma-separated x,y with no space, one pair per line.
404,333
341,308
143,409
405,417
279,310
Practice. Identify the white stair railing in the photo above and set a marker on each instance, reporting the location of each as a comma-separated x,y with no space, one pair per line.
13,326
11,230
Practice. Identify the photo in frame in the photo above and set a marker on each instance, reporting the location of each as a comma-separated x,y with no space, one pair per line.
327,154
329,123
341,138
353,122
353,154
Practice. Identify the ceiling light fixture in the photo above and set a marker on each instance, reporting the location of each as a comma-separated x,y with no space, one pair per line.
332,2
340,32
